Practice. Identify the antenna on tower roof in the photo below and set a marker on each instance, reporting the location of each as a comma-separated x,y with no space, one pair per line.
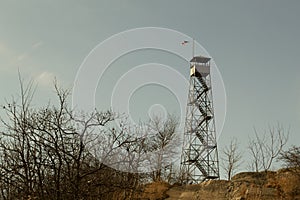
193,48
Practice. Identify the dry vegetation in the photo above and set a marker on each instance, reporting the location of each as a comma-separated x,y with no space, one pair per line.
54,153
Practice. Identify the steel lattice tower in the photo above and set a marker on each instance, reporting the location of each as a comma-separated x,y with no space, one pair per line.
199,159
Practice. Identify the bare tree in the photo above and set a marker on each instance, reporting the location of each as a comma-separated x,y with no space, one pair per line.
47,153
231,159
291,158
265,147
255,163
163,141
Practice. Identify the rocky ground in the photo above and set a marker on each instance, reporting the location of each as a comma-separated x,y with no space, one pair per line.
282,184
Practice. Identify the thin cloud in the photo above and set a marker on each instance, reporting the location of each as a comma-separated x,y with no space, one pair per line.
4,50
45,79
26,55
22,57
37,44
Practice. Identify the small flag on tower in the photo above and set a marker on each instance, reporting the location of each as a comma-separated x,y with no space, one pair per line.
184,42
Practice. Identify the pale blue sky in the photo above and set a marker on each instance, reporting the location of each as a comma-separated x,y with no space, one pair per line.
255,45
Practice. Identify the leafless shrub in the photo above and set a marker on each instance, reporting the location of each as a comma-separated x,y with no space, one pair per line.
291,159
267,146
231,159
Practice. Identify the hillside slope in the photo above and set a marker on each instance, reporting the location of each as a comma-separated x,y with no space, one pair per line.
282,184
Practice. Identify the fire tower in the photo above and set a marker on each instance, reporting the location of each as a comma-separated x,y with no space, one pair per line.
199,159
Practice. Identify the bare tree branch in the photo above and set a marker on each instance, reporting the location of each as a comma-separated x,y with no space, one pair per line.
231,159
267,146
